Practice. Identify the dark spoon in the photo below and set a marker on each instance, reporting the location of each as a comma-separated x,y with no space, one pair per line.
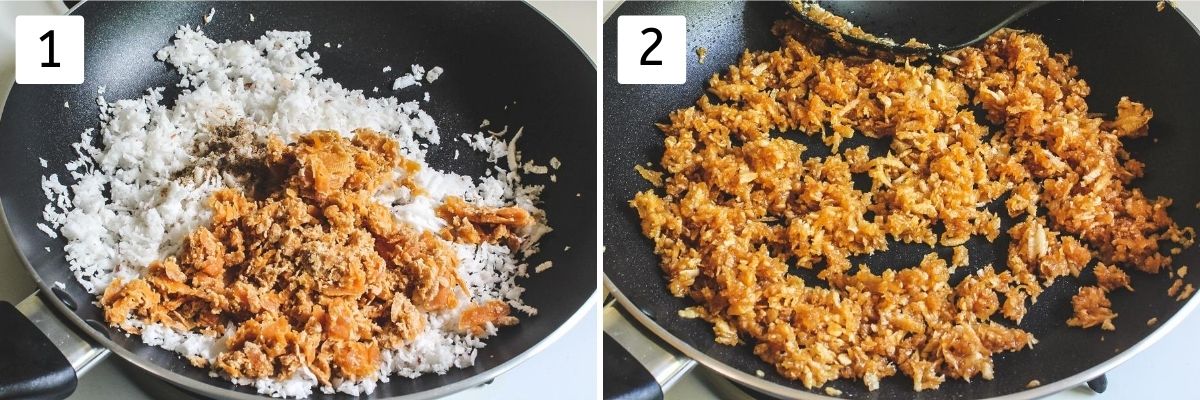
942,25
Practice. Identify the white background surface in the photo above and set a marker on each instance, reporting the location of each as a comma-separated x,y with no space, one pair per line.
1165,371
566,370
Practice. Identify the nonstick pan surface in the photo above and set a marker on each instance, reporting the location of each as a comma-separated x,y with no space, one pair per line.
504,62
1121,49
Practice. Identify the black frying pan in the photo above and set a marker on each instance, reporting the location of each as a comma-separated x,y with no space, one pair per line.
495,55
1120,48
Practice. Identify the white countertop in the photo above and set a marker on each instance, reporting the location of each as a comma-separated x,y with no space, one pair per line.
568,368
1164,371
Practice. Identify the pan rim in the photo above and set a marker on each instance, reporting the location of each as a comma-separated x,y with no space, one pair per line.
762,385
206,389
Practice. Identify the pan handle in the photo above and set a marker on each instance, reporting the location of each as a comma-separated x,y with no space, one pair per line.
636,365
40,356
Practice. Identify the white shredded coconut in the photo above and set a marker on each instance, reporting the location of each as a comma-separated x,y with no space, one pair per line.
404,81
122,208
514,158
46,229
488,144
530,168
433,74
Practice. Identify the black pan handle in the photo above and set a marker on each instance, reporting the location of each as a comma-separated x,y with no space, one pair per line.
41,354
624,377
636,366
31,367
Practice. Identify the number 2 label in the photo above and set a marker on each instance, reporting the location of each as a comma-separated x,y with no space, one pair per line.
651,49
657,40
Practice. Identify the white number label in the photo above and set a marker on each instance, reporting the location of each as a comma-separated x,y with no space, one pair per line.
49,49
651,49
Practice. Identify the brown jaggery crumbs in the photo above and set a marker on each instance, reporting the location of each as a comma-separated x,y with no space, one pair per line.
468,223
739,206
317,274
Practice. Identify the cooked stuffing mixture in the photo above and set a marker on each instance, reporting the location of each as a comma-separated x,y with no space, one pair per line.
311,271
738,206
839,27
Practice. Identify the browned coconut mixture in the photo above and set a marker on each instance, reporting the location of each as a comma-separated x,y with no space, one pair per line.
736,206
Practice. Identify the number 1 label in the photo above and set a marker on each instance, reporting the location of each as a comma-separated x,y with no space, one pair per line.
651,49
49,49
50,35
